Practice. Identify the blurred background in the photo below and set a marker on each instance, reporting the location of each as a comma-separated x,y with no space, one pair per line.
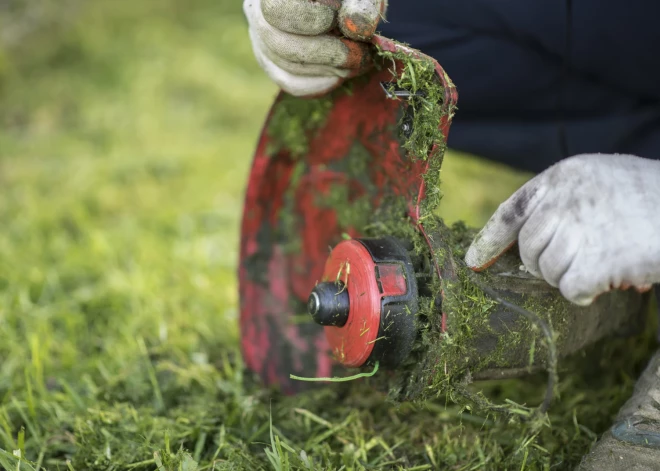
126,135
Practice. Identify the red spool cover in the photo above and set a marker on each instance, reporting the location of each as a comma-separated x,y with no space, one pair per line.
351,263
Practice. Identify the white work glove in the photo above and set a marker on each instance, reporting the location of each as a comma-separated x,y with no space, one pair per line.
294,43
586,225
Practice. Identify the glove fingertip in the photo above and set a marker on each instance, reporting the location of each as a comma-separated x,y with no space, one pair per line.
575,288
358,19
481,256
357,28
583,301
474,260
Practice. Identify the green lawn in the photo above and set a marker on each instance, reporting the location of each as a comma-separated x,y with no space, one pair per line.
126,134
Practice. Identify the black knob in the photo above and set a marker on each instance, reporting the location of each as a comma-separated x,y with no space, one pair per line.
328,304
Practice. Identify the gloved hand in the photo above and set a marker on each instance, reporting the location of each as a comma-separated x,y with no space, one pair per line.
586,225
293,43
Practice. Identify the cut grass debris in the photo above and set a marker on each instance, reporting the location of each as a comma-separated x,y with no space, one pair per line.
126,134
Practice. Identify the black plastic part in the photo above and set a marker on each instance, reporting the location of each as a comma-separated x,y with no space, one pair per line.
397,331
328,304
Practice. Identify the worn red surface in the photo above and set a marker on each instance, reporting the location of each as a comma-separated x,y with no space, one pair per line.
274,280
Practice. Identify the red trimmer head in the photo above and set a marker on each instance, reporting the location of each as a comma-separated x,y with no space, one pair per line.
351,158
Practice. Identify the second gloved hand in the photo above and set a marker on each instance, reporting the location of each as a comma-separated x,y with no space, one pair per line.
293,43
586,225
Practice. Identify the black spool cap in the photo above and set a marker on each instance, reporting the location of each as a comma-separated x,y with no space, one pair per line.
328,304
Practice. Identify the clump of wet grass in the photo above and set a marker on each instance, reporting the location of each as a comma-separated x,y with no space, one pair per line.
426,109
125,144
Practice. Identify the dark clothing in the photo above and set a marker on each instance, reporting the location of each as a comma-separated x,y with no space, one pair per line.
527,100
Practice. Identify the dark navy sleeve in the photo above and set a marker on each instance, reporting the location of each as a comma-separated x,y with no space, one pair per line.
541,80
